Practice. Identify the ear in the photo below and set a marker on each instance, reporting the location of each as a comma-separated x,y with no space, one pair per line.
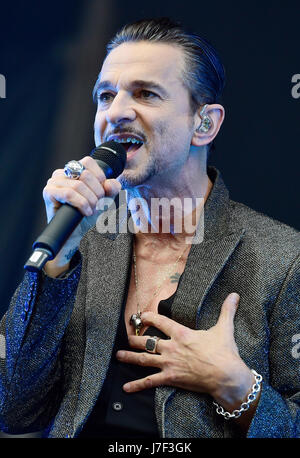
216,114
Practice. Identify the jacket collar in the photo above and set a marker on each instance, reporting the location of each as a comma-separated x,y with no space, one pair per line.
216,211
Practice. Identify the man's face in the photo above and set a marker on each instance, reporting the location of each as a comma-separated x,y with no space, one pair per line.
142,102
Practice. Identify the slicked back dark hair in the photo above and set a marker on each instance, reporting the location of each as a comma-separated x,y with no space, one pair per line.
203,75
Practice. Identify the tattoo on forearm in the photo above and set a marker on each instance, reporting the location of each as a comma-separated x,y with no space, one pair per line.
175,277
71,253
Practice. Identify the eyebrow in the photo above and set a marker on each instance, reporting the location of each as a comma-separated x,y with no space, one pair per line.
133,85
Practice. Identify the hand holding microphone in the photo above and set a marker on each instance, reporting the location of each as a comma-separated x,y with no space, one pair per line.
69,200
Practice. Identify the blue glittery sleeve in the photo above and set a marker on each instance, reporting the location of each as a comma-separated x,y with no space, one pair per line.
31,334
278,411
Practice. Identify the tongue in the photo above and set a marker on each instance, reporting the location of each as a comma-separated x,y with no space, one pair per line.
132,146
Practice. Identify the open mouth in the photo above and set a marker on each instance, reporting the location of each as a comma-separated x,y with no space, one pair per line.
131,144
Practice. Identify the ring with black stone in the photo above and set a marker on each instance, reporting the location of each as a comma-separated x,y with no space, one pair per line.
151,344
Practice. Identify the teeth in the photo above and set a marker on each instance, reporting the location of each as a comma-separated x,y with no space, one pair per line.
126,140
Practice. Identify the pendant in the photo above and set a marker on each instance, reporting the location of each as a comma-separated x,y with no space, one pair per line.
135,320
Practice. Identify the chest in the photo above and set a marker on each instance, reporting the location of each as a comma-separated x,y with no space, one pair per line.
153,284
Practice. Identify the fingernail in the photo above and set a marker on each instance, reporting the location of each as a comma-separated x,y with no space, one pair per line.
234,298
126,387
120,354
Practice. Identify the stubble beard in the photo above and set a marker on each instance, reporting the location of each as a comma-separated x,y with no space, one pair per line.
132,178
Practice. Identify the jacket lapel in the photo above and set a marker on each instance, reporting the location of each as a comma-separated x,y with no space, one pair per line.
204,265
205,262
106,288
207,259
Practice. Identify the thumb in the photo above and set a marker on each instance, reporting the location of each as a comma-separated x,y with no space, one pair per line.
228,310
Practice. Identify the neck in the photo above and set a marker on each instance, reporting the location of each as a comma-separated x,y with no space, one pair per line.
167,209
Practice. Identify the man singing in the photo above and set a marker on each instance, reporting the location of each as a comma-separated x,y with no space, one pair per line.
143,334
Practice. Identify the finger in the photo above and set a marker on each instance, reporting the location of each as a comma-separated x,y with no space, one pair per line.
76,187
169,327
112,187
139,342
59,173
145,383
141,359
88,177
54,193
90,180
228,310
91,165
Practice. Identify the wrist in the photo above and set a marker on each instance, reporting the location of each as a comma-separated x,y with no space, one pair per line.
249,404
54,269
234,387
61,263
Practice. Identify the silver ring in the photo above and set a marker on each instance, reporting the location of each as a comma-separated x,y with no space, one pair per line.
73,169
151,344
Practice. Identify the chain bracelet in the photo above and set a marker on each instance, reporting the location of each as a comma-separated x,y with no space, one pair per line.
245,405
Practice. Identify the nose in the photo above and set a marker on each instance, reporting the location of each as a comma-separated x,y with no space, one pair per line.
120,110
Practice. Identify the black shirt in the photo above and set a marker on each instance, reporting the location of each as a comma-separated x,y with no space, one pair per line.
120,414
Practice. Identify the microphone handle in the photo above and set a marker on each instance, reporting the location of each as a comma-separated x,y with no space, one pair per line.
59,229
65,220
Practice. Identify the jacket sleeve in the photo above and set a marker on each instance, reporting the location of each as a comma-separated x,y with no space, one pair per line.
278,411
31,334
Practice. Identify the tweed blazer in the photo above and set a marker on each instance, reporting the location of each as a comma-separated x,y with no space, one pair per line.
57,337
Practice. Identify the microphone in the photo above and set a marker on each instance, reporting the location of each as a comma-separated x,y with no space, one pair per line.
111,158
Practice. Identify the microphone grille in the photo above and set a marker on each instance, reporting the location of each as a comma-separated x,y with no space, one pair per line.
113,154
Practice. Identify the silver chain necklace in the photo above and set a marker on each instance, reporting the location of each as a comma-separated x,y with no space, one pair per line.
135,319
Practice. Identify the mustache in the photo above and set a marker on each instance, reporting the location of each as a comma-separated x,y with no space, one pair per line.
126,130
